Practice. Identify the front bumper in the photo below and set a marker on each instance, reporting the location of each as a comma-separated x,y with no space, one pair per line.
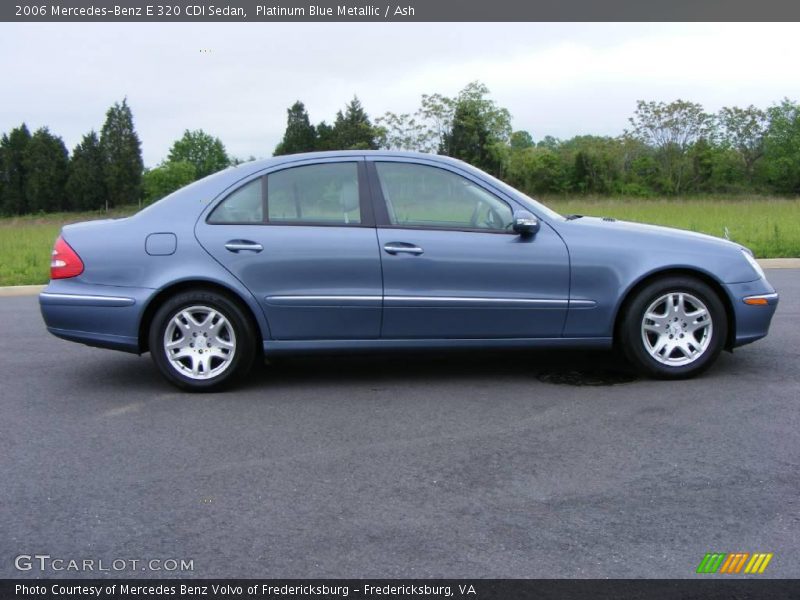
96,315
754,303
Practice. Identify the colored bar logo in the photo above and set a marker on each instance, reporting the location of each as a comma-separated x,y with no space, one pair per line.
721,562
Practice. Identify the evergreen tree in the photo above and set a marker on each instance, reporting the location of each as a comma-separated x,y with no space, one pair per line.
122,156
46,163
204,152
353,130
13,172
300,135
326,137
86,184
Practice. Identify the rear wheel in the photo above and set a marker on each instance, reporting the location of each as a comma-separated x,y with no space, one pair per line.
674,328
201,341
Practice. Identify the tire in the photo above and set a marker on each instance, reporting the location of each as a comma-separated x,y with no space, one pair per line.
201,341
674,328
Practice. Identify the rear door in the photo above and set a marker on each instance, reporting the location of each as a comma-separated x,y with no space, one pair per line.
453,267
302,239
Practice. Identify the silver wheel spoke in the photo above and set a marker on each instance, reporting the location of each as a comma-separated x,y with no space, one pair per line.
189,317
220,324
218,341
179,343
219,353
181,353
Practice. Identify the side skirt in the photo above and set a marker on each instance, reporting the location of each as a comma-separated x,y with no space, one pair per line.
288,347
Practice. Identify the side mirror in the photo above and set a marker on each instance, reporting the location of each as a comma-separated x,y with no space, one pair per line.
525,223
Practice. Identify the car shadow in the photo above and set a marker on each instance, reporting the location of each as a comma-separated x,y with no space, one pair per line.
552,366
557,367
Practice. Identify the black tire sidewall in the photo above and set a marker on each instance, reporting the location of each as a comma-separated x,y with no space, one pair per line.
245,344
631,336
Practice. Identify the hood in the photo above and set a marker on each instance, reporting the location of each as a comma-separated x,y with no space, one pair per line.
653,232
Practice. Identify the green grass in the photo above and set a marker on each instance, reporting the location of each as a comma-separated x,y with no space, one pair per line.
769,226
26,243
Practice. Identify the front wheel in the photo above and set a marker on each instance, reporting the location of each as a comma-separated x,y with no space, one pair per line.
200,341
674,328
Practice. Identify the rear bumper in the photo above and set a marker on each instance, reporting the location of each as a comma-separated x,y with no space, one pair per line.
95,315
752,321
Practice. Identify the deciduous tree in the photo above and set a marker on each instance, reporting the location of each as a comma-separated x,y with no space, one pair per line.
166,178
205,152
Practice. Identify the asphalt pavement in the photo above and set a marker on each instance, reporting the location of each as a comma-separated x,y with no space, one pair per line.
523,465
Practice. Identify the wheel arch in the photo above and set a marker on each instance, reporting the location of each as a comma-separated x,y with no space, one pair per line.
703,276
180,286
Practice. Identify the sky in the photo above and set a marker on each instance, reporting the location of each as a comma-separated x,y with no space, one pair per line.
236,80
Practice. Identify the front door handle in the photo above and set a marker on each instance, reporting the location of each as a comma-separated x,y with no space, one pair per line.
402,247
243,245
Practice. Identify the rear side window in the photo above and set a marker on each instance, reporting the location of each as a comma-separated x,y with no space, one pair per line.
245,205
315,194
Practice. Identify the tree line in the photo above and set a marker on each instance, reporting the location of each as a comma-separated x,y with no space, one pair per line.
105,170
669,148
37,173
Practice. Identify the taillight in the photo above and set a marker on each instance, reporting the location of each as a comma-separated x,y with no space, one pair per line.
65,261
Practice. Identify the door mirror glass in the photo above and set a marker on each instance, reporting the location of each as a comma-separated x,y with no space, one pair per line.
525,223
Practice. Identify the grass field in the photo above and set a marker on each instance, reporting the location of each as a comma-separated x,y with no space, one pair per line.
769,226
26,243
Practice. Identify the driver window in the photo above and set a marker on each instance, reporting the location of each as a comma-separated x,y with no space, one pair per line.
423,196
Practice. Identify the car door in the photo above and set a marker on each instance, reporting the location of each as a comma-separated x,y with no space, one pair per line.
302,239
453,267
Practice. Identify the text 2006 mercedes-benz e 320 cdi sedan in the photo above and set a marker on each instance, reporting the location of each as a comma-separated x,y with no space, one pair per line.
347,251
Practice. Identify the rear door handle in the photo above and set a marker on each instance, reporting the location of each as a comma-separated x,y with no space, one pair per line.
243,245
402,247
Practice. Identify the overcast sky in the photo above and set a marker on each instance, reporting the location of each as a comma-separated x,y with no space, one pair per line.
556,79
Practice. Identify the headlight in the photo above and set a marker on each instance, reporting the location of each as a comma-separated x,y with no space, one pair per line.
753,262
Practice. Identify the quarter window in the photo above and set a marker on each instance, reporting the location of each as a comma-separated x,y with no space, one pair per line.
242,206
316,194
423,196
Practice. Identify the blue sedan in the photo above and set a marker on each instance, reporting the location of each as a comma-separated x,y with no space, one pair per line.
368,251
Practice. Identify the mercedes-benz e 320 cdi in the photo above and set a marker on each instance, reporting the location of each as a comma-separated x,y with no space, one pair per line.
344,251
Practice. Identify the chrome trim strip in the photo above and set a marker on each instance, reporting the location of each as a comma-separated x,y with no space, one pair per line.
85,299
395,300
479,300
354,301
582,303
301,298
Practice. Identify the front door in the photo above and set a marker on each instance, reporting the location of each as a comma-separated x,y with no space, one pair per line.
452,266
